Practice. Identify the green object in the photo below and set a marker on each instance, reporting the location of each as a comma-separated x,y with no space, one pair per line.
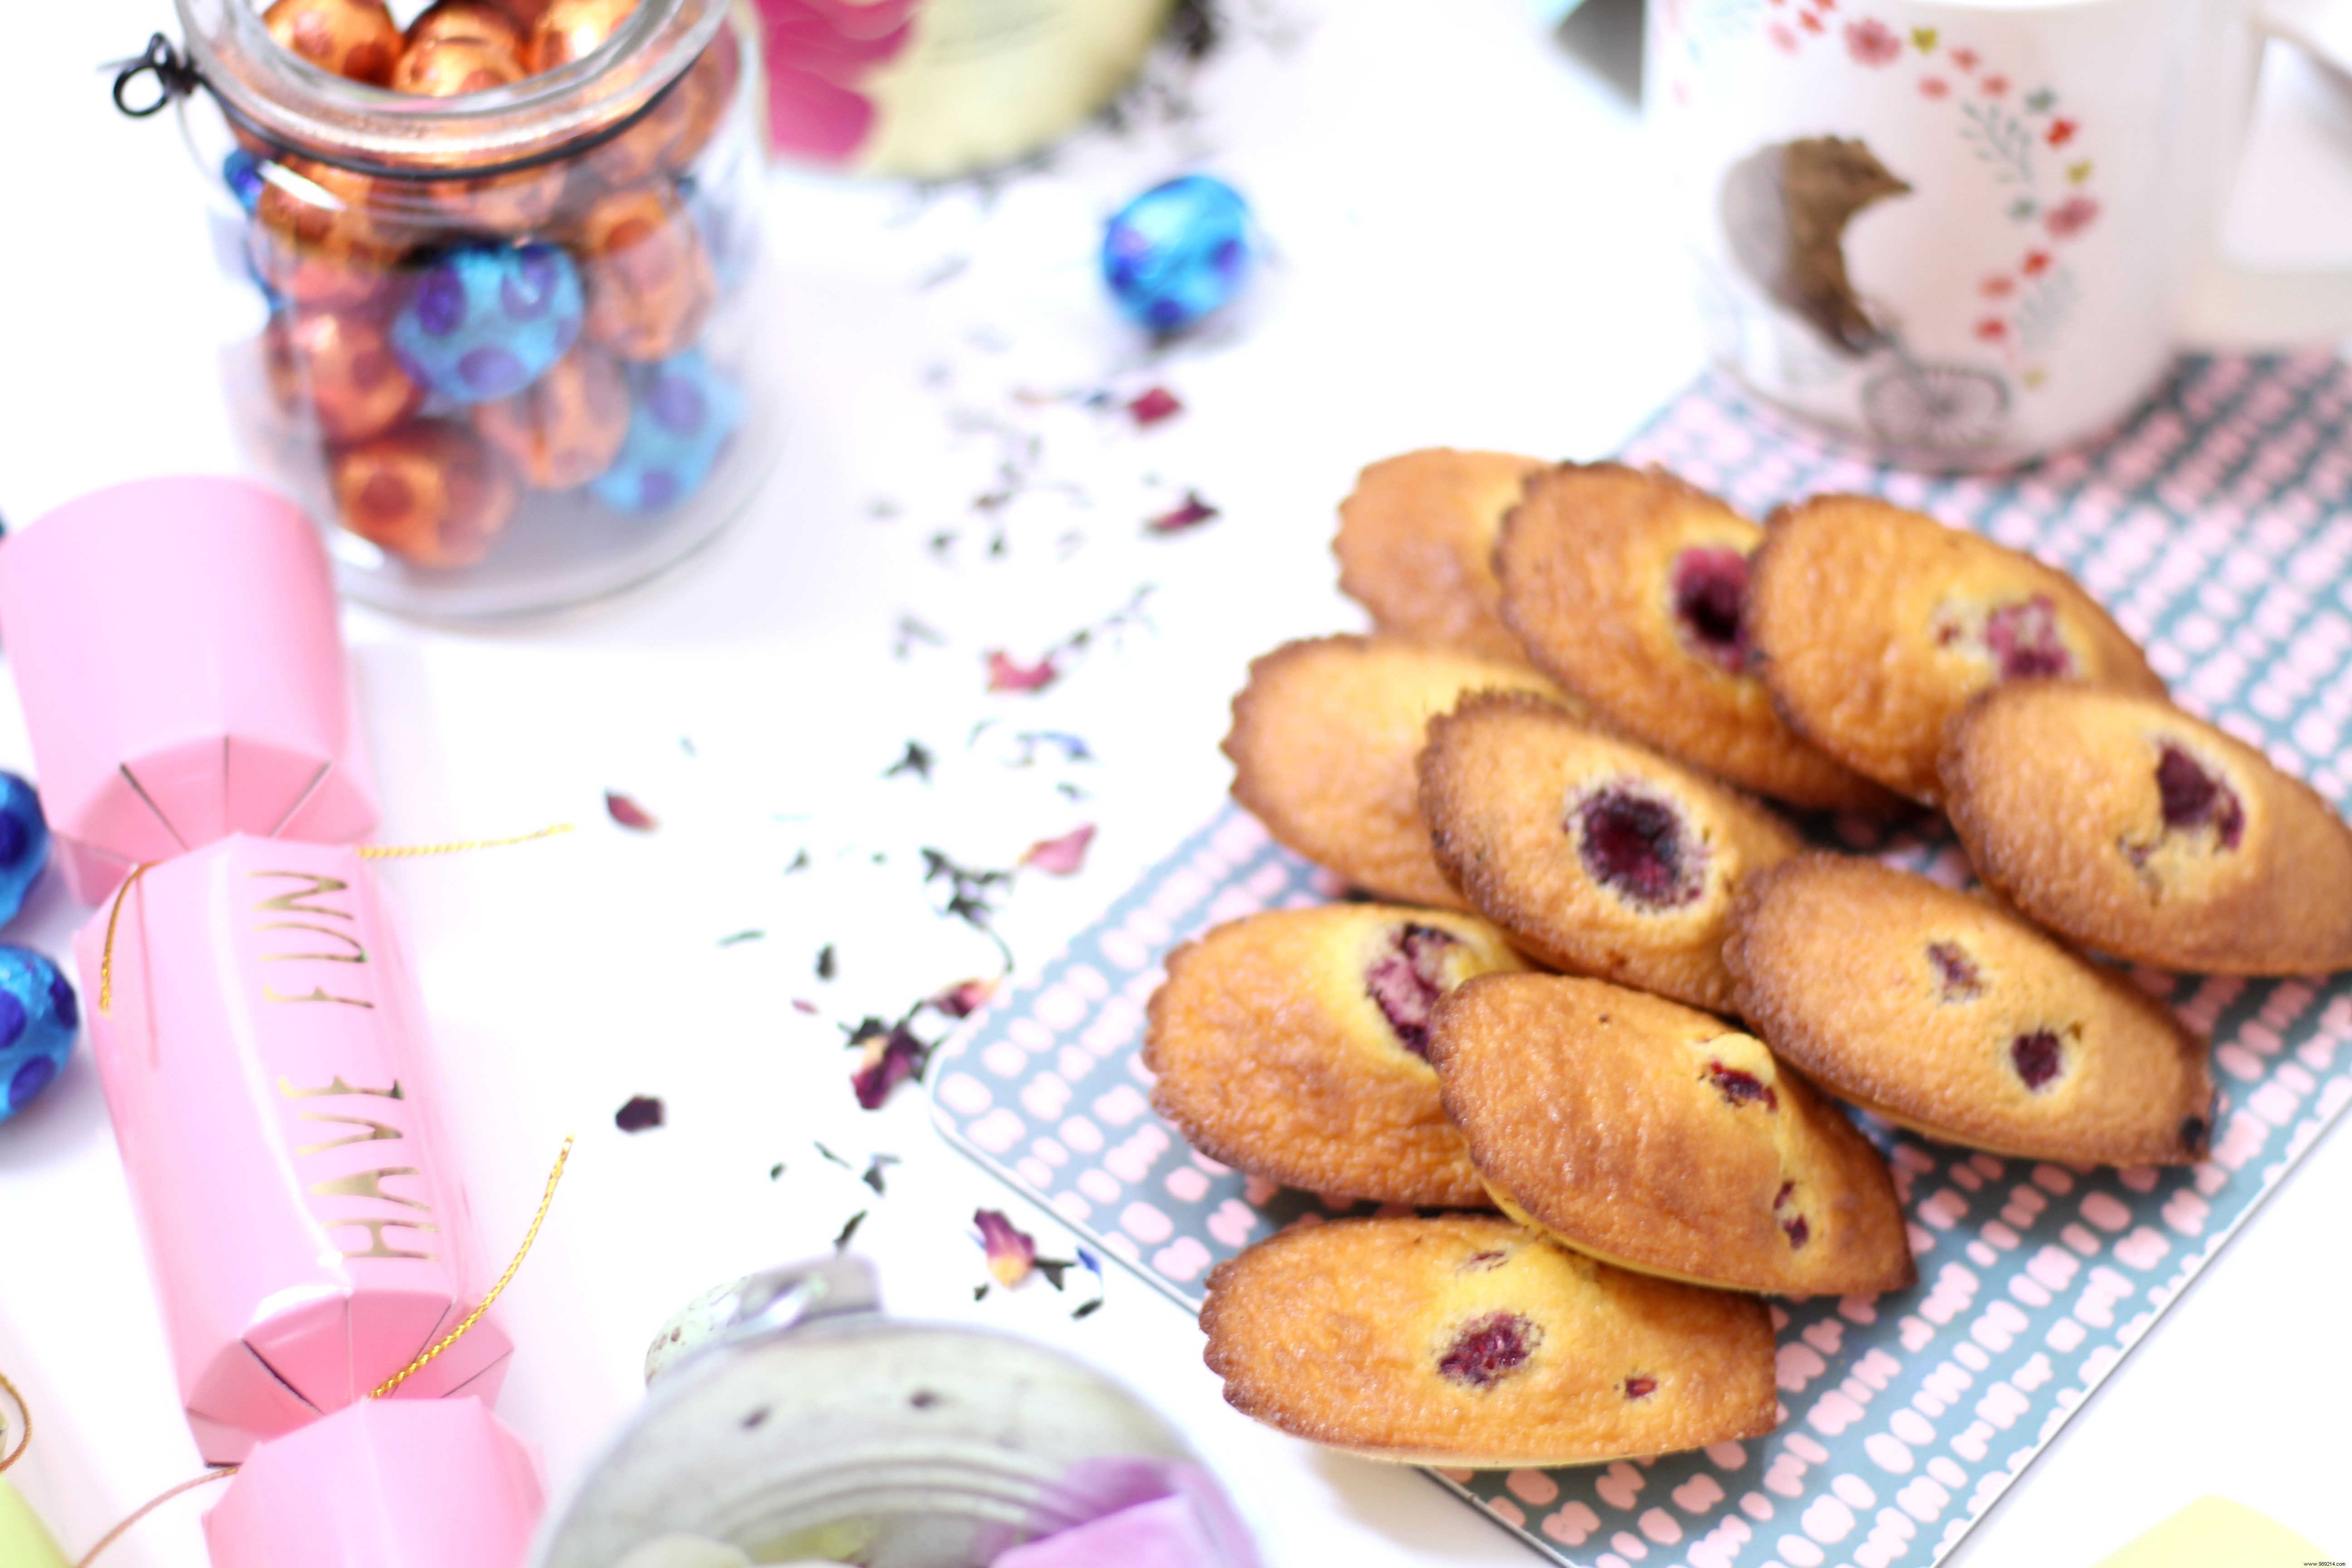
2215,1533
24,1542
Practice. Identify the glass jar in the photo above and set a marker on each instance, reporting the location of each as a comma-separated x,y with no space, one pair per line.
788,1420
508,346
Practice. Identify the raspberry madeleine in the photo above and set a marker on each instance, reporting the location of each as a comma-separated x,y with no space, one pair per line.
1293,1045
1416,546
1661,1139
1873,626
1467,1340
2128,827
1323,742
1594,855
1627,587
1953,1017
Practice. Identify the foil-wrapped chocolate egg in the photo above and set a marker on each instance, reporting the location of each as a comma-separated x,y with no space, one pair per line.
487,320
570,30
39,1016
25,832
708,91
354,39
515,204
241,172
673,130
566,427
452,67
476,20
650,283
684,419
339,366
430,492
324,235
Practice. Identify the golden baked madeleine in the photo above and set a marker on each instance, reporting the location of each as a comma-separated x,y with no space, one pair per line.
1323,742
1416,546
1661,1139
1872,624
1293,1045
1627,586
1595,854
1468,1340
1948,1015
2128,827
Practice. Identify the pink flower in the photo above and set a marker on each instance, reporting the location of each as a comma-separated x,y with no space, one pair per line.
628,813
964,998
2062,132
2037,262
1011,1253
1063,857
1003,675
2071,216
1994,85
1992,329
1873,43
1934,87
889,1058
1154,406
1782,39
1811,23
1192,513
1998,287
1966,58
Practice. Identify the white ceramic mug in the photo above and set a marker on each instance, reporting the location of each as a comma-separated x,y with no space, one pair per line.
1972,231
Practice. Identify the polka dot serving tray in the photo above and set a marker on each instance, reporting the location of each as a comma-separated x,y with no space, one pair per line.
2218,528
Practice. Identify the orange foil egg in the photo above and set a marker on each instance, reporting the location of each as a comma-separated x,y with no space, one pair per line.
354,39
566,427
429,493
475,21
324,236
514,206
452,67
649,282
570,30
709,89
341,367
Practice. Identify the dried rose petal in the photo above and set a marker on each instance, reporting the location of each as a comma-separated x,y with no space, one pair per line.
962,1001
1003,675
1191,514
1063,857
1011,1253
892,1056
642,1111
628,813
1154,406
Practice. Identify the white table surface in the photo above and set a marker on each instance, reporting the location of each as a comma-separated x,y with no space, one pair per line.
1467,253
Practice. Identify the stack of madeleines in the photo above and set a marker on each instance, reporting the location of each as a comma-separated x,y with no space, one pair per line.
1546,763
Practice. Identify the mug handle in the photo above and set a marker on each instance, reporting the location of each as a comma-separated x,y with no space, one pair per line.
2236,308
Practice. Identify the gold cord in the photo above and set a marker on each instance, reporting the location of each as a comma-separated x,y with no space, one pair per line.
408,851
106,955
451,1338
150,1506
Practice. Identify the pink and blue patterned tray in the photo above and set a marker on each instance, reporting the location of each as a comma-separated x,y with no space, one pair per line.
2218,527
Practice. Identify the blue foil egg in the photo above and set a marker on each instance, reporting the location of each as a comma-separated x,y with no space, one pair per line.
486,320
39,1016
1178,252
682,415
241,172
24,844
